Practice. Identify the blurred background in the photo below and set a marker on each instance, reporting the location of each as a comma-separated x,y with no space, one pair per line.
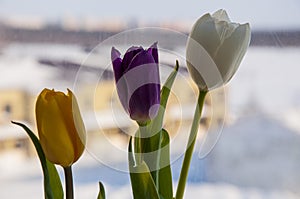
66,44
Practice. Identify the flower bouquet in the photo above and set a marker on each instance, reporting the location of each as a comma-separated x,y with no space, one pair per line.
214,51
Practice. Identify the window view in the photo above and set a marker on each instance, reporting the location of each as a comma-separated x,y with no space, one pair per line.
248,142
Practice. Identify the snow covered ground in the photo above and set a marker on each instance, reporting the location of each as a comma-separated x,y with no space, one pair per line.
232,169
257,157
267,80
22,179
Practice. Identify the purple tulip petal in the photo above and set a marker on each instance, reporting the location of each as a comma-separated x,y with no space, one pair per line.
144,102
150,71
142,58
138,89
122,91
117,63
154,51
130,53
148,94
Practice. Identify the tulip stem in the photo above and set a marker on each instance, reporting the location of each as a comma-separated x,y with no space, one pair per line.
138,147
69,182
190,146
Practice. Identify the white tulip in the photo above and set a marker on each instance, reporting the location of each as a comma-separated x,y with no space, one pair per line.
215,49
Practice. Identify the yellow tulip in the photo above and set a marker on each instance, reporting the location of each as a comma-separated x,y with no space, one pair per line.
215,49
60,127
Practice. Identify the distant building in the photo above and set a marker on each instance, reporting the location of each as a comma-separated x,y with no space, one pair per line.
15,105
103,113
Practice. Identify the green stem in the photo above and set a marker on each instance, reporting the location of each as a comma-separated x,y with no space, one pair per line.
138,147
69,182
158,161
190,146
138,143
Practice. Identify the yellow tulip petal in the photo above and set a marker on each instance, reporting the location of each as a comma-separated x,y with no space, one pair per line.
79,133
61,141
53,133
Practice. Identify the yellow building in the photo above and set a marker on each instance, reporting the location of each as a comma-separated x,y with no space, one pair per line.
14,104
17,105
102,103
103,113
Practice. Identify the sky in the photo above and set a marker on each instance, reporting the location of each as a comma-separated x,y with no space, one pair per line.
262,14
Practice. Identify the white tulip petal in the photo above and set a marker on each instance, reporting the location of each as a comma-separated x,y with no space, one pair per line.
202,67
225,29
232,51
205,33
245,29
215,49
221,15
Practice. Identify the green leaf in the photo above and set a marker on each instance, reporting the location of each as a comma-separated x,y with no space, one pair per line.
157,158
156,124
151,152
52,184
165,187
142,183
55,182
101,194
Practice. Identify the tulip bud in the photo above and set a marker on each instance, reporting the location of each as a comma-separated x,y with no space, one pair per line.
60,127
137,79
215,49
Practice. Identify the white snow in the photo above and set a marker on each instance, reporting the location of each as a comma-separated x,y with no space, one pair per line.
9,132
267,80
256,151
25,177
258,157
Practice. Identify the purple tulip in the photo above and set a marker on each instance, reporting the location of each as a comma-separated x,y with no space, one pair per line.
137,79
